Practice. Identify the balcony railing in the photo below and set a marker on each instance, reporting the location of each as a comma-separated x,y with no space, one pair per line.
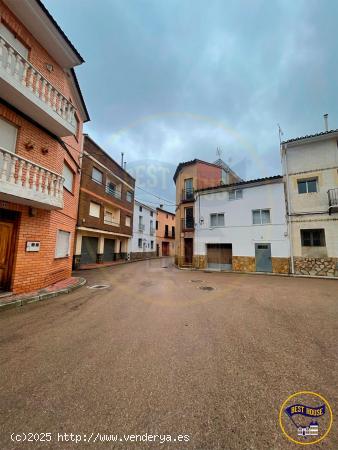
333,200
188,223
24,182
27,89
113,192
141,227
188,195
152,231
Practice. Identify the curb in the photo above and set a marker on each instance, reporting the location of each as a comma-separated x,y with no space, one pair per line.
120,263
270,274
44,296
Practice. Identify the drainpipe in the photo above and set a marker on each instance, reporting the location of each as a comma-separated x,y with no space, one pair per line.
288,212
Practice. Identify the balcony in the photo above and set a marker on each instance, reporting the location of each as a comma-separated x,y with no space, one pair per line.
24,87
188,195
188,224
24,182
333,200
141,227
152,231
113,191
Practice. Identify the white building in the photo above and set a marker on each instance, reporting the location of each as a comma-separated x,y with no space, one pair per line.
144,234
310,166
242,227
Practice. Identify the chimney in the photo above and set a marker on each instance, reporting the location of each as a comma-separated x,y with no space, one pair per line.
326,122
122,154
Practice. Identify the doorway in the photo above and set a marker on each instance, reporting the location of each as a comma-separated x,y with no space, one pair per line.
219,256
89,249
8,225
263,257
188,250
165,248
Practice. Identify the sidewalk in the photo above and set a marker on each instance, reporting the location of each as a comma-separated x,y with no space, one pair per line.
62,287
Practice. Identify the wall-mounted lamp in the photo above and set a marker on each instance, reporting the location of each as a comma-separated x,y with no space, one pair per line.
49,67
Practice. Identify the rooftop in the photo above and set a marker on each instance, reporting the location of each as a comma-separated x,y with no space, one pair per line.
264,180
311,136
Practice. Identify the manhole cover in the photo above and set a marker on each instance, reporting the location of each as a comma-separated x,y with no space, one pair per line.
98,286
206,288
196,281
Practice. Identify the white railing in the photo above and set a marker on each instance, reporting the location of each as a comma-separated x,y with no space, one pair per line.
113,192
25,73
23,178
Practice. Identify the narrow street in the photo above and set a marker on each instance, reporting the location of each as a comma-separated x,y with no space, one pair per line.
154,353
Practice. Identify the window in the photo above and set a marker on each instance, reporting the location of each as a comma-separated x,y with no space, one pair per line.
68,175
77,126
62,244
129,196
313,238
97,175
307,186
151,244
140,243
140,208
108,216
260,216
236,194
8,134
156,224
188,189
173,231
128,221
217,220
151,214
94,209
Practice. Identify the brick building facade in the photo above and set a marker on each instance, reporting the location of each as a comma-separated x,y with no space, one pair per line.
165,233
105,217
41,117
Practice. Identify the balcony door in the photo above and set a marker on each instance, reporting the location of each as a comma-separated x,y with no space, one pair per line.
189,218
188,189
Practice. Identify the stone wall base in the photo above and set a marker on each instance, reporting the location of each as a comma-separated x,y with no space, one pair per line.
280,265
199,262
321,267
142,255
243,264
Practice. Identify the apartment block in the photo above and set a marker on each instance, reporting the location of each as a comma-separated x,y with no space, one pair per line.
242,227
310,168
105,217
165,233
41,117
144,232
189,177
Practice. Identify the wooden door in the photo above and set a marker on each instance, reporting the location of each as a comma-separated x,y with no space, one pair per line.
7,243
188,250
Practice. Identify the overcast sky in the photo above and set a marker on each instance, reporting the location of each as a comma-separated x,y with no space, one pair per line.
172,80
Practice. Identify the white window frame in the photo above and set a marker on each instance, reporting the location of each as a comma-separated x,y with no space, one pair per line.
67,253
306,181
90,212
238,194
220,214
129,196
66,168
260,215
99,171
12,128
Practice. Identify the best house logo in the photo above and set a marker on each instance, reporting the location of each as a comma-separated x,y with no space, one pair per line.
305,418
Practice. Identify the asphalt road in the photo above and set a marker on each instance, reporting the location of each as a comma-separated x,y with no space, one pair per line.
153,353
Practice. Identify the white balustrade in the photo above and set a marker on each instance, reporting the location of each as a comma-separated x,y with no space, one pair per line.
19,176
27,75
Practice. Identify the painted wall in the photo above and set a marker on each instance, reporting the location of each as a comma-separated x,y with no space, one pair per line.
146,237
165,218
239,229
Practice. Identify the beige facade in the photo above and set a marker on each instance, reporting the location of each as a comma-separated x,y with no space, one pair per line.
311,177
165,233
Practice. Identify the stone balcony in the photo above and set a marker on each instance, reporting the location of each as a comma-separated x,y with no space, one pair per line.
24,182
25,88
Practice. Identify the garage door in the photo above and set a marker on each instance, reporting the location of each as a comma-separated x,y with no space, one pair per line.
89,249
109,249
219,256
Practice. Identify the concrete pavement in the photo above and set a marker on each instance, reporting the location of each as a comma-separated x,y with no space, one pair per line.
154,353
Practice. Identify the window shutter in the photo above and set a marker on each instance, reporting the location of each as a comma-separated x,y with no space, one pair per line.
62,244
